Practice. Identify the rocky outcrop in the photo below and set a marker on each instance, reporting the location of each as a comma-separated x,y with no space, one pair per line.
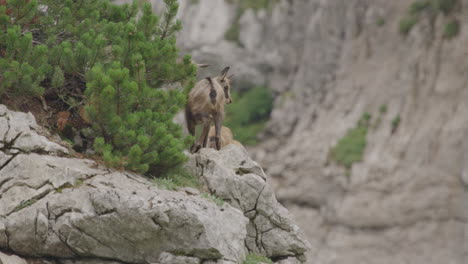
232,176
61,209
329,61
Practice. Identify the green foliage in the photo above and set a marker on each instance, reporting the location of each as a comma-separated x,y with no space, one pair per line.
253,4
380,22
445,6
218,201
407,23
165,183
419,6
23,66
257,259
177,177
350,149
395,123
452,29
232,34
248,113
383,109
433,7
25,204
77,184
113,58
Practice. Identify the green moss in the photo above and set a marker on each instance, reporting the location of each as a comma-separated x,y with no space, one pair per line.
218,201
77,183
25,204
407,23
257,259
350,149
452,29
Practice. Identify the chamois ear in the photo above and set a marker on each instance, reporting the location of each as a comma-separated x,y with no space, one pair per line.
224,72
230,77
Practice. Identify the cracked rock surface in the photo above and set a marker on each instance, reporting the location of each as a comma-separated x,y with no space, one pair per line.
232,176
67,208
55,209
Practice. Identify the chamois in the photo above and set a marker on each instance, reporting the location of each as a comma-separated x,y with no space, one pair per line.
226,137
205,105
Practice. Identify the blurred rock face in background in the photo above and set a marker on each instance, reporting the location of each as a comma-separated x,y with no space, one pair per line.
331,63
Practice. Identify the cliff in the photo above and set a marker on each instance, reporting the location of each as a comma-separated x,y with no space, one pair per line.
56,208
331,62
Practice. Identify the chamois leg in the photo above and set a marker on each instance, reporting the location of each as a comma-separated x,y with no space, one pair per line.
206,131
201,141
190,121
218,125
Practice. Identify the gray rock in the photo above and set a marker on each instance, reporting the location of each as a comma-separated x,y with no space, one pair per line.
167,258
72,208
328,62
22,132
232,176
11,259
288,261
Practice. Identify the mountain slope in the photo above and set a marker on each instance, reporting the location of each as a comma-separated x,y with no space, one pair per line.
329,63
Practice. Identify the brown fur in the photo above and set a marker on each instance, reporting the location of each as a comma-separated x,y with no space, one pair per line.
205,104
226,137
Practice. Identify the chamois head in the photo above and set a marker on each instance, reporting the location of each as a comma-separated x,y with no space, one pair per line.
225,82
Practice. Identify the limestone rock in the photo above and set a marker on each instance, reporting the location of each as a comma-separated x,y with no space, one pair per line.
11,259
21,131
68,208
232,176
167,258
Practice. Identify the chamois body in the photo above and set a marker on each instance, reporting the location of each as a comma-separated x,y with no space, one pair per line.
225,139
205,105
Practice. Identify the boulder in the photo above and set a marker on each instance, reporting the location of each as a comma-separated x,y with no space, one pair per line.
68,208
231,175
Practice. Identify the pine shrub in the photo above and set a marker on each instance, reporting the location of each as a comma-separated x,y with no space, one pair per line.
112,59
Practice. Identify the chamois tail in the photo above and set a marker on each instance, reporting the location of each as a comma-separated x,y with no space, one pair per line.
213,92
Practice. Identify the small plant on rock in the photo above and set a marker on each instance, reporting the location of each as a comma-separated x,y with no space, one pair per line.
452,29
395,123
350,148
407,23
257,259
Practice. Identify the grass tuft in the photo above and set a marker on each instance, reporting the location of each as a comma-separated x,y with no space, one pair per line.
218,201
178,177
452,29
350,148
257,259
407,23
